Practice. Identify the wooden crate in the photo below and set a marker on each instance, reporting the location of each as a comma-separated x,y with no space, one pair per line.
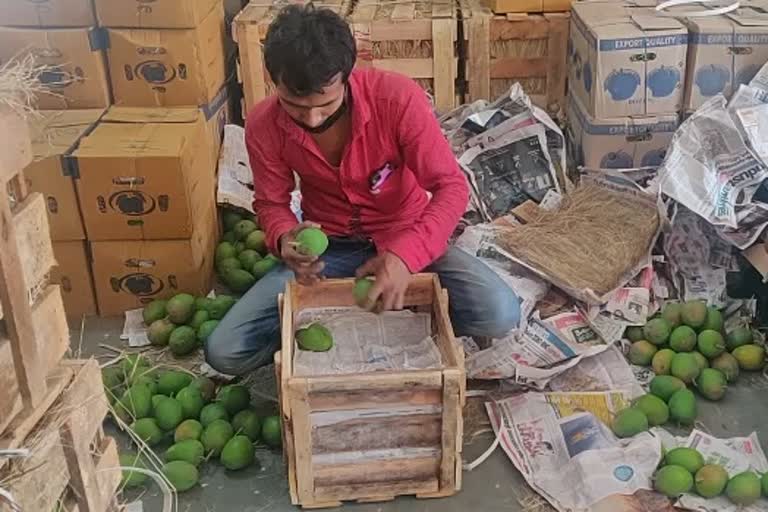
71,462
527,6
249,29
502,50
374,436
415,38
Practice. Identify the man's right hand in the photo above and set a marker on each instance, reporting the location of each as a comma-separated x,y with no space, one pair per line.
306,268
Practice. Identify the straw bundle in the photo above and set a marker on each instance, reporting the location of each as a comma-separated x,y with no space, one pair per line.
591,243
19,84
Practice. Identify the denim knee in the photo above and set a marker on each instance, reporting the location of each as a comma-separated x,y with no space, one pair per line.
220,353
503,313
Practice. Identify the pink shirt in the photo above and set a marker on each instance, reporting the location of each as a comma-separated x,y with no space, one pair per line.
393,129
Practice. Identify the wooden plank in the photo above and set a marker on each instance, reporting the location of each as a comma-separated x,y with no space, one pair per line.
380,471
287,303
531,28
17,312
85,402
416,30
445,68
50,325
302,432
403,12
252,64
45,473
557,45
28,419
358,399
520,67
17,148
413,68
108,473
377,433
366,382
289,452
450,428
479,60
452,355
338,292
361,491
10,400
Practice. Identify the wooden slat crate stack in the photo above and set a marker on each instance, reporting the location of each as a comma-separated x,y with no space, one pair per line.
249,29
371,436
528,6
415,38
54,408
503,49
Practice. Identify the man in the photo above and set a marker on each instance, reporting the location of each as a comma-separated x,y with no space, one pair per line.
366,148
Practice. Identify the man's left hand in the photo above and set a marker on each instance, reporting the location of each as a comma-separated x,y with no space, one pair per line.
392,279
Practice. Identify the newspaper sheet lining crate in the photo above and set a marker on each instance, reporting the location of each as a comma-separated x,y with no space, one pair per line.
417,39
529,49
371,436
71,460
249,29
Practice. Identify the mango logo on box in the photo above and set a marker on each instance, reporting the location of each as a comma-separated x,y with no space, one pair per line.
133,203
137,283
622,84
663,81
712,79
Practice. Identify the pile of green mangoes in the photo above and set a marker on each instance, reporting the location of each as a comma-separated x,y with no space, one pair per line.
685,346
184,322
190,416
684,470
242,257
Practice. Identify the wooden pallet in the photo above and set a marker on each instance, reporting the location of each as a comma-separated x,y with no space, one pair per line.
71,462
502,50
411,446
415,38
249,29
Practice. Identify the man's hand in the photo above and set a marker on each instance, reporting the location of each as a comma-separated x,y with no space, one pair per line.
307,268
392,279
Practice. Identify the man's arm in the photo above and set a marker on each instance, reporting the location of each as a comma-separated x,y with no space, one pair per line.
429,156
273,183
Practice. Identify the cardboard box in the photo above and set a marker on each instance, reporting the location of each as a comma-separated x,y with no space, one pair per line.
153,14
77,73
626,61
724,51
145,174
73,274
168,67
55,134
128,274
47,13
619,143
217,114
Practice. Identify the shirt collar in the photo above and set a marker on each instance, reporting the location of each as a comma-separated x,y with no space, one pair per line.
361,109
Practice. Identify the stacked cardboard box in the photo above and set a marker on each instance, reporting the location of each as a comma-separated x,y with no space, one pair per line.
146,173
626,74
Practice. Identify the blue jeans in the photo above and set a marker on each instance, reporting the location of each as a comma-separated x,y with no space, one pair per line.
481,304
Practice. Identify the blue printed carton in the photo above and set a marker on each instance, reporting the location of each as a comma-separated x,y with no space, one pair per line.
724,51
621,142
625,60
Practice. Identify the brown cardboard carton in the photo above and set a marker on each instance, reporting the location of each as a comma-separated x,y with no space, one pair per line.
77,74
153,14
73,273
128,274
217,114
724,51
619,143
168,67
55,134
145,173
47,13
625,60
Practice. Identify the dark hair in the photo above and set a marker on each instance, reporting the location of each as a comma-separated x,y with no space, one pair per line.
307,47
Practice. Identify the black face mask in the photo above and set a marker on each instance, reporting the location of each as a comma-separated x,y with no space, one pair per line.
329,121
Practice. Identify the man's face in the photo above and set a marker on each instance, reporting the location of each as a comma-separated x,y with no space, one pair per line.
311,112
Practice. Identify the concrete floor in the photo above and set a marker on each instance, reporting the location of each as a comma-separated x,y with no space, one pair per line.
493,486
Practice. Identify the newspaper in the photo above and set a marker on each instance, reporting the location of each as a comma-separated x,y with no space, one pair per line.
366,342
606,371
754,121
696,261
134,329
736,455
564,450
537,353
709,168
510,170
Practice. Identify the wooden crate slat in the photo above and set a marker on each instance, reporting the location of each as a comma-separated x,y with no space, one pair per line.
398,431
451,420
363,399
381,491
302,433
380,471
17,146
445,65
